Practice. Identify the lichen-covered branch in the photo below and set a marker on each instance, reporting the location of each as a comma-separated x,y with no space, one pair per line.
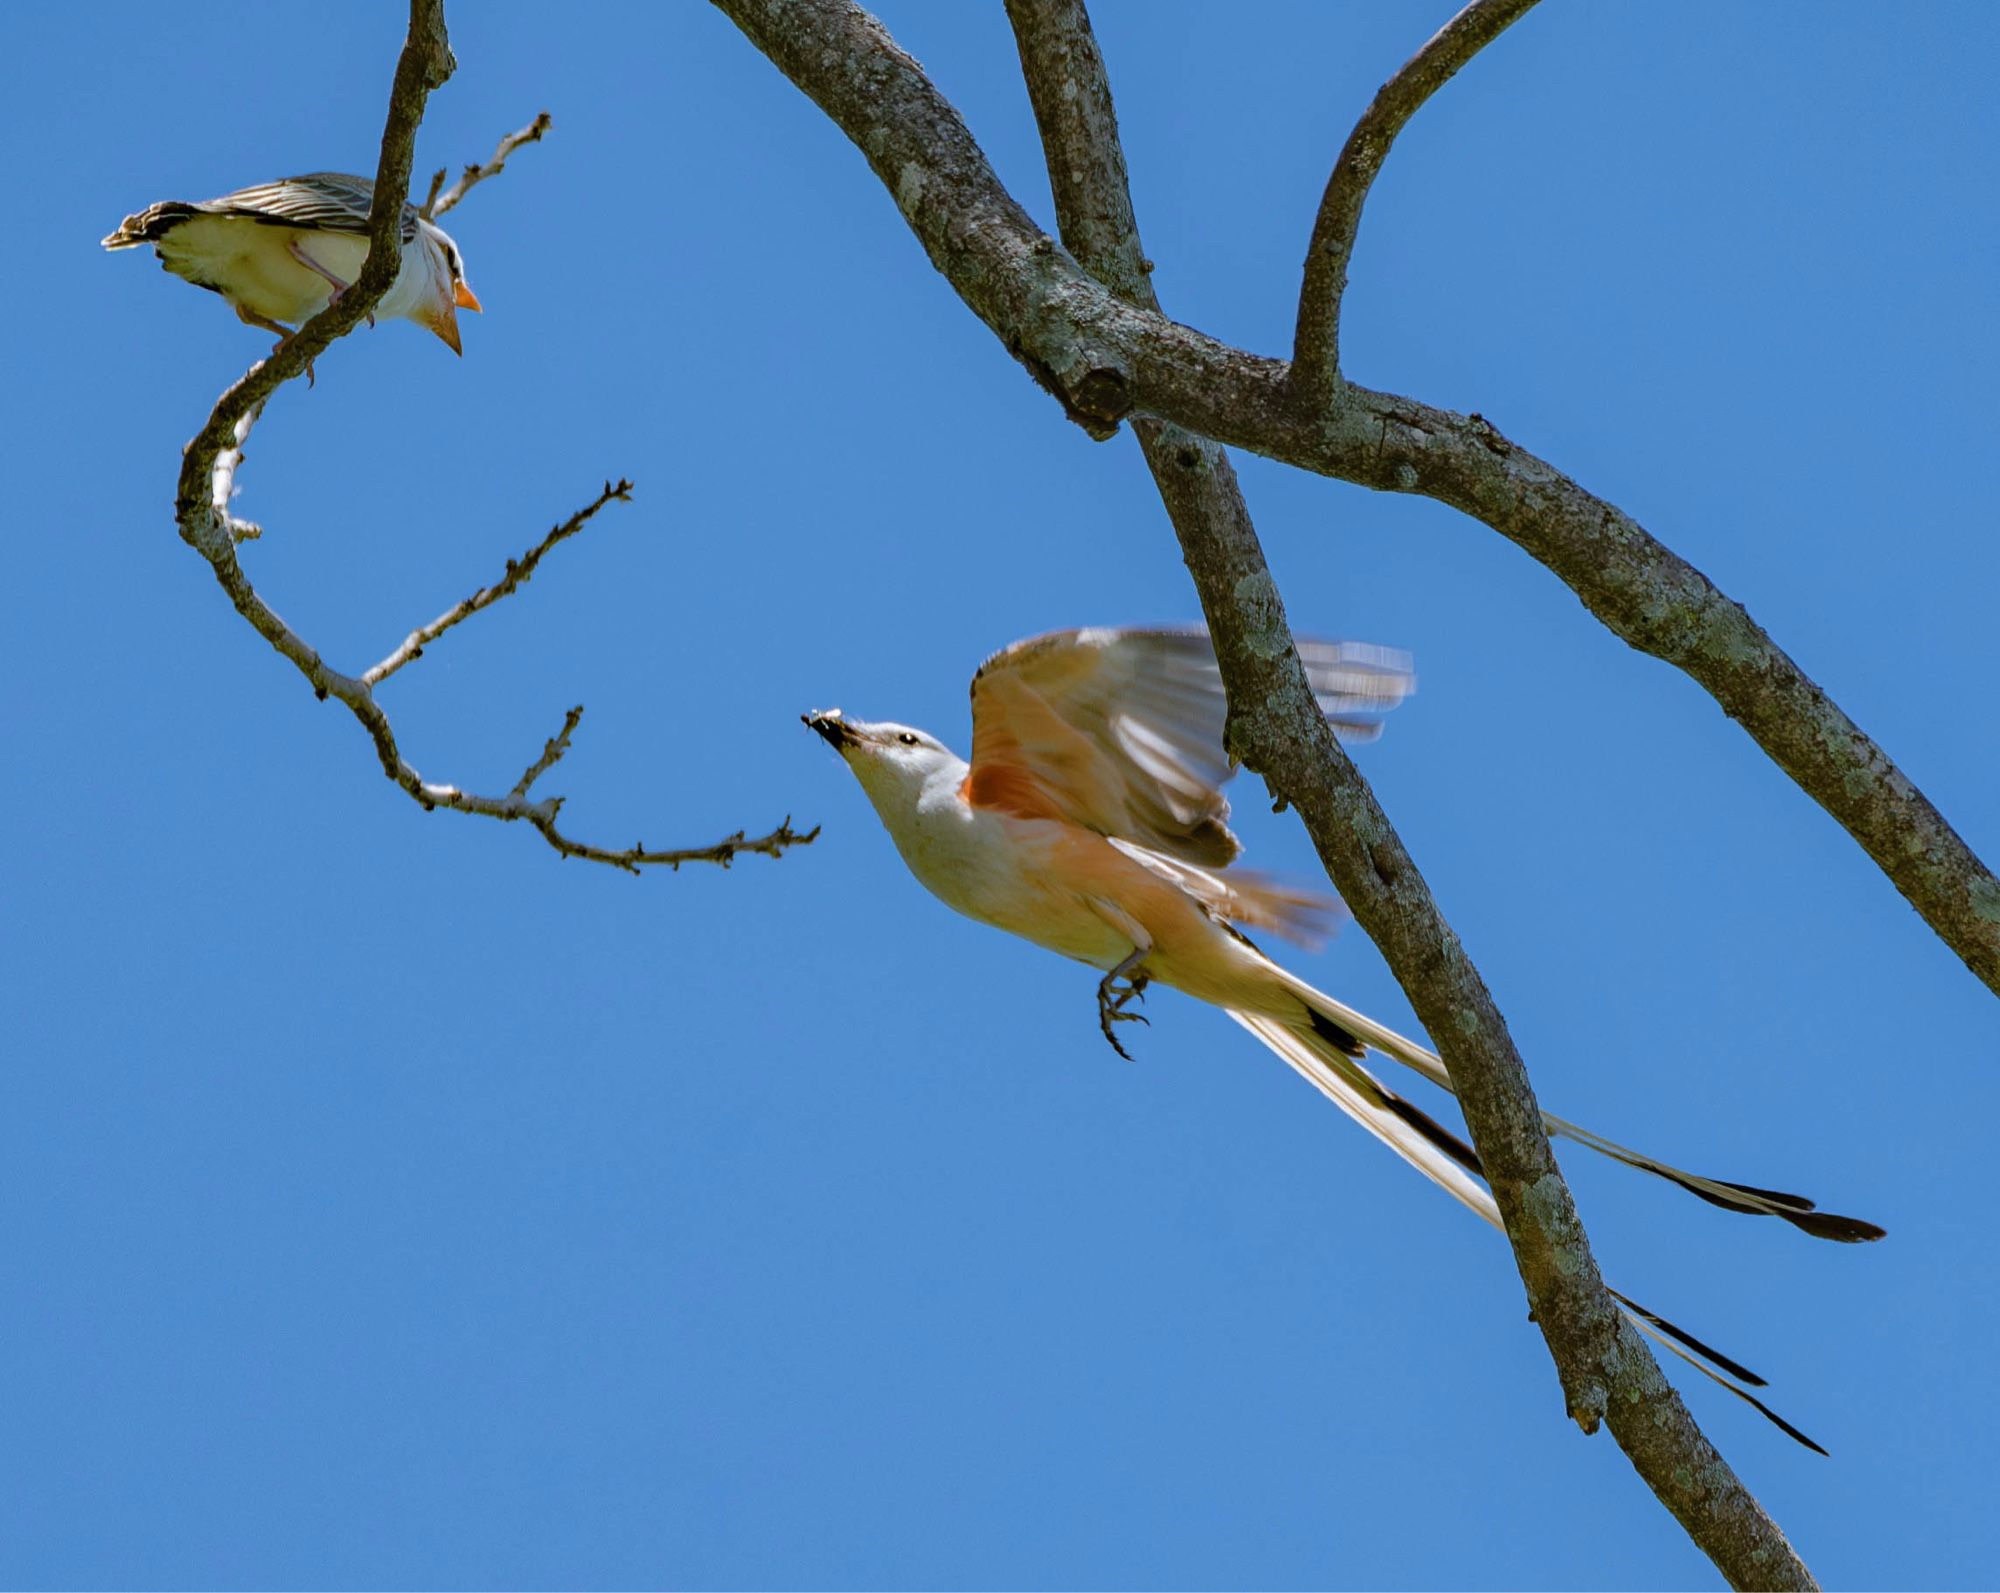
1105,359
1316,347
1277,729
208,484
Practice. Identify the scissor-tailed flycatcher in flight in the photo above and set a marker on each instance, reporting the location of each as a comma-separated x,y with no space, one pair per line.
1091,821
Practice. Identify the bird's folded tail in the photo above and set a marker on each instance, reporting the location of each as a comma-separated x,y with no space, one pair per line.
1449,1162
1354,1033
151,224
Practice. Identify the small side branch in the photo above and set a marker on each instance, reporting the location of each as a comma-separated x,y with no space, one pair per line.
722,853
1316,346
543,814
552,752
518,572
436,204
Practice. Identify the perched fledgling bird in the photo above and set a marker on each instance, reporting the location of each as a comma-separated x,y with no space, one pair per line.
1091,821
281,252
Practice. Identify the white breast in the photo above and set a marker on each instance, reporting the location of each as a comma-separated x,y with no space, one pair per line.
250,263
996,868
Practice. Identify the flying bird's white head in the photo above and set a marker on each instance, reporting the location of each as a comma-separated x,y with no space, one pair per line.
896,764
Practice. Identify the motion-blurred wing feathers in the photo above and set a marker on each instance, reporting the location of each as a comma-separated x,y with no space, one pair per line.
1121,730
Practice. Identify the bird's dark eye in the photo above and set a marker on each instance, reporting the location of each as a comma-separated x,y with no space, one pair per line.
907,739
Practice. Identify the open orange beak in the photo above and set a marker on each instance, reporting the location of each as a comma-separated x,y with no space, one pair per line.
465,298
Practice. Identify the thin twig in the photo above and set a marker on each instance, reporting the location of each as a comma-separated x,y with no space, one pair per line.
1605,1367
208,484
1104,359
552,752
722,853
518,572
436,205
1316,345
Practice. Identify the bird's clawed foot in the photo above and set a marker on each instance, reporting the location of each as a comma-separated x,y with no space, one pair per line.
335,283
1113,997
250,317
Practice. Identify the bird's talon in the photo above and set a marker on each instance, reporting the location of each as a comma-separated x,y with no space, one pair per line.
1134,990
1114,990
1105,1019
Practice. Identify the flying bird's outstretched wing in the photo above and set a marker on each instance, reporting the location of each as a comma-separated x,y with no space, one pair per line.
1120,731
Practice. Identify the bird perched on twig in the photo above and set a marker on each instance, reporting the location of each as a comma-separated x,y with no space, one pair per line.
281,252
1091,821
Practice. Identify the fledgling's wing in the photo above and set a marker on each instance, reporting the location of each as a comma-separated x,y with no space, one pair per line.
332,201
1121,730
323,201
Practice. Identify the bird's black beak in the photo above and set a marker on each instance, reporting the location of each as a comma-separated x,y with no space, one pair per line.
830,728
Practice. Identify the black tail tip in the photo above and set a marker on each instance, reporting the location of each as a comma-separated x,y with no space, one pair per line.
1334,1035
1842,1230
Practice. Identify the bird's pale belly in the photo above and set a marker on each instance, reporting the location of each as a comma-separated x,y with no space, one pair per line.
252,265
1004,887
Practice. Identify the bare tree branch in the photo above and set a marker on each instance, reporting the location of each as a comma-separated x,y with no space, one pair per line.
1104,359
208,482
543,816
518,572
1316,348
1277,729
435,205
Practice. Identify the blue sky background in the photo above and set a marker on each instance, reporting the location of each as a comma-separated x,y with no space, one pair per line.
388,1202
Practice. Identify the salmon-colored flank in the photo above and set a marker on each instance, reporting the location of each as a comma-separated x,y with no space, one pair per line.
1009,788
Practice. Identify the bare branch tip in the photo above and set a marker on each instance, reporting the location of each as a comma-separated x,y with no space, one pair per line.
475,173
1316,339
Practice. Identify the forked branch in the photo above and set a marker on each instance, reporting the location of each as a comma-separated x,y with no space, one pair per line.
1276,727
1106,359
